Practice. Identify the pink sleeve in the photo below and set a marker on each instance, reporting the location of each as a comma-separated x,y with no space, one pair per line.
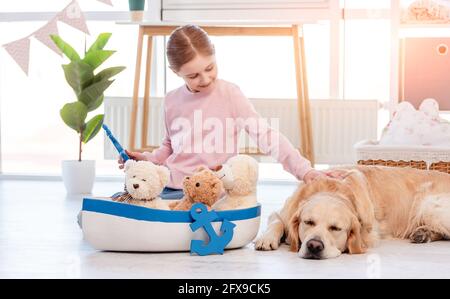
160,155
269,140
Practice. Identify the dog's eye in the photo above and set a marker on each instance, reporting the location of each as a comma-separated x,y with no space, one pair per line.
144,180
309,222
197,185
334,228
134,176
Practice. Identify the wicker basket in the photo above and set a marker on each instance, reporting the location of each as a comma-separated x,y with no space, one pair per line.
420,157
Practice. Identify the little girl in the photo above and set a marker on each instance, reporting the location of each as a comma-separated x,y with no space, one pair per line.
208,109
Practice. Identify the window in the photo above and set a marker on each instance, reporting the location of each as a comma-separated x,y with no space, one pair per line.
263,67
34,139
367,59
58,5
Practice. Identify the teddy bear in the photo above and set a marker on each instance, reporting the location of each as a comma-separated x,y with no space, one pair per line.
203,186
240,175
144,182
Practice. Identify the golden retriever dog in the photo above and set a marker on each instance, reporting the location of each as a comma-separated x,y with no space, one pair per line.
327,217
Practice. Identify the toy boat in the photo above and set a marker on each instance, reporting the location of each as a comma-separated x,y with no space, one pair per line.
114,226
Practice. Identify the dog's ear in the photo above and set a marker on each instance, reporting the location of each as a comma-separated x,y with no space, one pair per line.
294,211
354,240
361,199
292,231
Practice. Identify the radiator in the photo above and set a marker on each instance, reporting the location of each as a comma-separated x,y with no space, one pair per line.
337,124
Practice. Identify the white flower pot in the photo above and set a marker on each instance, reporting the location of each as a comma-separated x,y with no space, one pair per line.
78,176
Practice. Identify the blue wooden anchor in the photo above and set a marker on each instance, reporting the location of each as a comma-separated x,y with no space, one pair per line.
203,218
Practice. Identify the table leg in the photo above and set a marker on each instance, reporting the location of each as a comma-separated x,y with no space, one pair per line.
310,141
304,113
146,106
137,76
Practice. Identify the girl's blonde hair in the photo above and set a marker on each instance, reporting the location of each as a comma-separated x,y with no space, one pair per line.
185,43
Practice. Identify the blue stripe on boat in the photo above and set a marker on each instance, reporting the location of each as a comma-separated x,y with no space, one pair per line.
148,214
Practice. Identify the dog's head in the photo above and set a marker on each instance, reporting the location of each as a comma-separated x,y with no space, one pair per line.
331,216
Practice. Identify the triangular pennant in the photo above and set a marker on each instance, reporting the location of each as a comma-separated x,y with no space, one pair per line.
43,35
73,16
20,52
106,2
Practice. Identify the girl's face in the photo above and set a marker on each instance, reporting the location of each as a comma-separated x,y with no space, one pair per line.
200,73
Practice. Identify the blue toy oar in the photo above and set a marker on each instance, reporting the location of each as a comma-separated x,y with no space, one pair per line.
116,143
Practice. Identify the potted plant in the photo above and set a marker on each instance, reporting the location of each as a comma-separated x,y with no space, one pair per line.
136,9
78,175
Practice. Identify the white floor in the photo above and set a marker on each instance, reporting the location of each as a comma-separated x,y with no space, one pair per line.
39,238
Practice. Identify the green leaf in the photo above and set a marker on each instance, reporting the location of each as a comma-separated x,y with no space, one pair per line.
92,128
74,114
91,94
97,57
65,48
100,43
94,105
108,73
78,74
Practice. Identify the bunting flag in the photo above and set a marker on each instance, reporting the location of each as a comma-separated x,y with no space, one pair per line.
20,52
43,35
73,16
106,2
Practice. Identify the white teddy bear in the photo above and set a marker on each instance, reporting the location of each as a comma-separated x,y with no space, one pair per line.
144,182
239,176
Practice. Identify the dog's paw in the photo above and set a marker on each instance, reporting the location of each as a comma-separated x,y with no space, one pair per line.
267,243
421,235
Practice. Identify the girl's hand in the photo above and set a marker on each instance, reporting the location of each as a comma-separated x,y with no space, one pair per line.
336,173
133,155
314,174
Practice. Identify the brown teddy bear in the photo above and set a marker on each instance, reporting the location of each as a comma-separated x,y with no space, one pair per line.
203,187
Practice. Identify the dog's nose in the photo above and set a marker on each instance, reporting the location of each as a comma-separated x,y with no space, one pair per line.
314,246
135,186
